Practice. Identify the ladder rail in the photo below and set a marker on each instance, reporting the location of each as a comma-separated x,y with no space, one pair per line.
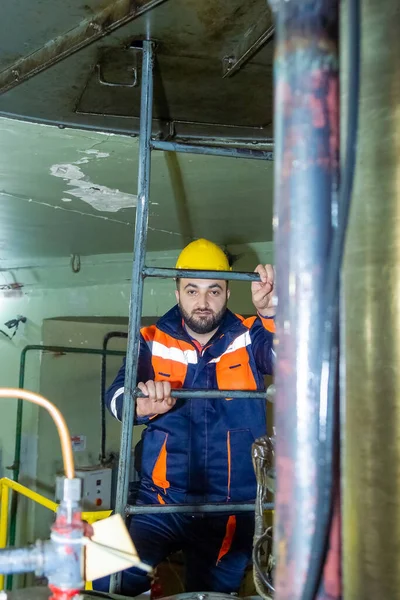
166,273
197,393
230,152
206,508
139,273
136,301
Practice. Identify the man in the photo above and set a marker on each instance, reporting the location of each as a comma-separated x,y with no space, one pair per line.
199,450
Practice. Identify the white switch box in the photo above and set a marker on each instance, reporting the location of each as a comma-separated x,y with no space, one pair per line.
96,488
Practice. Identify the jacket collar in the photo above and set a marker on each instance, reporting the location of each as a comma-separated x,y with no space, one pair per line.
171,323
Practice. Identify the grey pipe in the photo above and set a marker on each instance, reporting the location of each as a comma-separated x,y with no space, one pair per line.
22,560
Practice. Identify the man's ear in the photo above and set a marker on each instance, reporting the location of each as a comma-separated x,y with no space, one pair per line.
228,293
177,295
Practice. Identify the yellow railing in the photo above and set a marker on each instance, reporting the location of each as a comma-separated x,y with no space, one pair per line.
7,484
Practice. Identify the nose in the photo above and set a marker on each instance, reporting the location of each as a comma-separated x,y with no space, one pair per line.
202,302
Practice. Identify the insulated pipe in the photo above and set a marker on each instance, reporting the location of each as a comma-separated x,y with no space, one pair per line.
371,282
306,184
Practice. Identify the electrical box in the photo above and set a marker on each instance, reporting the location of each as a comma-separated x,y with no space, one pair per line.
96,488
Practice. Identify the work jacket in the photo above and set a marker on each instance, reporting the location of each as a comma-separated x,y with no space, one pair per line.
201,449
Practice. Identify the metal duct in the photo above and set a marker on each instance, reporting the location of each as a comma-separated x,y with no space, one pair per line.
371,374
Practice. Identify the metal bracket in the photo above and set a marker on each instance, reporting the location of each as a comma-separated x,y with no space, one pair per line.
110,18
103,81
253,40
133,70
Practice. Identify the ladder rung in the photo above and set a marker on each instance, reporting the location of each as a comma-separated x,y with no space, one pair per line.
195,274
198,393
213,150
220,507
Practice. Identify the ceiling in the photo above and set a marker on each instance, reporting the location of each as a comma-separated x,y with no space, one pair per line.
66,188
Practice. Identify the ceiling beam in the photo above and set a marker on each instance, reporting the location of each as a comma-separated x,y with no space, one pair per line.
252,41
106,20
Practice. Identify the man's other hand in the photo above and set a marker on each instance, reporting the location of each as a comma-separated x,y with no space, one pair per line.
263,292
159,400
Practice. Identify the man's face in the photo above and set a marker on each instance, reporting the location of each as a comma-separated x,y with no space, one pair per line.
202,303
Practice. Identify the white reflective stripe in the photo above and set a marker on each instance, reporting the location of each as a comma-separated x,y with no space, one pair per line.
186,357
113,404
241,341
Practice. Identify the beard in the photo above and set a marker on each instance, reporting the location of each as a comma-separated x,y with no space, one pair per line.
203,321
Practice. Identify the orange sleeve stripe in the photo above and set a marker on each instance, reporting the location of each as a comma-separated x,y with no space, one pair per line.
228,539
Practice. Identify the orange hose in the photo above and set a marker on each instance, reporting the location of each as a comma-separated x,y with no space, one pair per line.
63,431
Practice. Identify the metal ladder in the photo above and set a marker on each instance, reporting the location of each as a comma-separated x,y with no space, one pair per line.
139,272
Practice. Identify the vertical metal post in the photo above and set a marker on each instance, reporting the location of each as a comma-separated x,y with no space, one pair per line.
306,185
136,301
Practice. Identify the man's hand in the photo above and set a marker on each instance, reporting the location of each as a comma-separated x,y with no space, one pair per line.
263,292
159,399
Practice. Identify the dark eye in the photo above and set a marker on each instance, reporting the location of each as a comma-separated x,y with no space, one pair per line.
215,292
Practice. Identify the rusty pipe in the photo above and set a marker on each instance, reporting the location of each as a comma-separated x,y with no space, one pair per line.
306,194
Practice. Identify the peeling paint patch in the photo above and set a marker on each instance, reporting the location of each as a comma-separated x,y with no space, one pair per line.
97,154
100,197
92,154
67,172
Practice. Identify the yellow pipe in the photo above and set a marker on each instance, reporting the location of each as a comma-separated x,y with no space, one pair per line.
24,491
5,493
92,517
59,421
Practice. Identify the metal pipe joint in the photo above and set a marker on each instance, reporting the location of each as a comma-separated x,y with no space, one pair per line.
60,558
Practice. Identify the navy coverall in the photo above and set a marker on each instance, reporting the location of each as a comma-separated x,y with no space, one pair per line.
199,451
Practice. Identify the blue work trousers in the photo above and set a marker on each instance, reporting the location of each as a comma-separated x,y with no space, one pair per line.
217,549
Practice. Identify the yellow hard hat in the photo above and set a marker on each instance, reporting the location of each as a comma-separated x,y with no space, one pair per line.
203,255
